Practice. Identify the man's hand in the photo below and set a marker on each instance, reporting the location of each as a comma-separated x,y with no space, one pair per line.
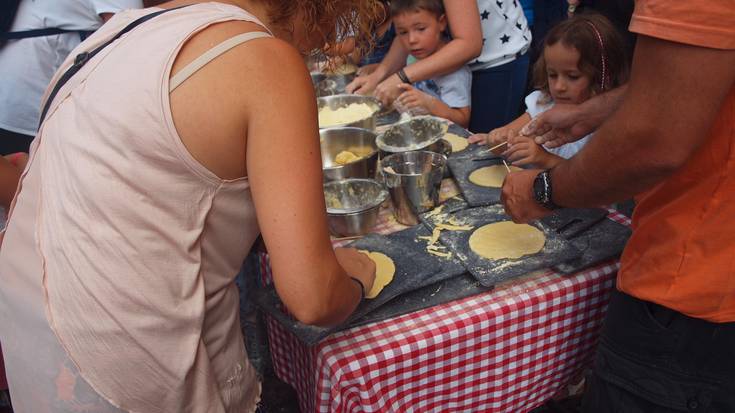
517,197
559,125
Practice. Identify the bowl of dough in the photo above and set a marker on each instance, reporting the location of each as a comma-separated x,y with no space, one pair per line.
348,110
348,152
353,205
413,134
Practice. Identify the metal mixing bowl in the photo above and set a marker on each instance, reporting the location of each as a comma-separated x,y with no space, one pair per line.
353,205
413,134
356,140
338,101
328,85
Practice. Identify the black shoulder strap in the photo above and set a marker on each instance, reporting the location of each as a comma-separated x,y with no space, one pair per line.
48,31
82,58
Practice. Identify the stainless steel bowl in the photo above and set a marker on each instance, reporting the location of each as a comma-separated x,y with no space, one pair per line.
413,134
353,205
328,85
339,101
413,180
359,141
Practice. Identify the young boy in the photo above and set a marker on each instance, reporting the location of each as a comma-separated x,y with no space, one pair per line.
420,27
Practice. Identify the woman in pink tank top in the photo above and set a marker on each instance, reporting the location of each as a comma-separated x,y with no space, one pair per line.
156,167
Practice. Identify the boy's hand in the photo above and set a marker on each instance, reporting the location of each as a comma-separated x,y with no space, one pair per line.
523,150
413,100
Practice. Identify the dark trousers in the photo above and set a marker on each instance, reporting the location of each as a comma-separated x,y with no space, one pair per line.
652,359
11,142
497,94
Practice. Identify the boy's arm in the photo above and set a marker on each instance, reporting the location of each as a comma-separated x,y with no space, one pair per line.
460,116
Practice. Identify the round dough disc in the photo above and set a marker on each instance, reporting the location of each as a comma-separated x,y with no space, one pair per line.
491,176
384,271
506,239
458,143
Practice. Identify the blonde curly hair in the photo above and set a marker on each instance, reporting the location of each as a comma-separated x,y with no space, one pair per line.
330,19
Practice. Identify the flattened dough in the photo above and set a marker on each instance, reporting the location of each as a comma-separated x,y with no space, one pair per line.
384,271
506,239
458,143
491,176
348,114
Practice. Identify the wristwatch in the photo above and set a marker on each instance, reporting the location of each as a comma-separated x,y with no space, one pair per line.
542,190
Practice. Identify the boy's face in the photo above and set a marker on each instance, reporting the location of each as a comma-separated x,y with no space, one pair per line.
420,31
567,84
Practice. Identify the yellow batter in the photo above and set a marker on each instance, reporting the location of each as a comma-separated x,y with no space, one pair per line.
506,239
345,157
491,176
347,114
458,143
384,271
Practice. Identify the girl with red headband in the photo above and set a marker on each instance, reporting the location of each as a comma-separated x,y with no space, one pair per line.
582,56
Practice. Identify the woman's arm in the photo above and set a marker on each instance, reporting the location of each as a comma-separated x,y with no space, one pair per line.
285,174
466,44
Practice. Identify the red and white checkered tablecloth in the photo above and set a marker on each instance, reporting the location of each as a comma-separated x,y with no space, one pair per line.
506,350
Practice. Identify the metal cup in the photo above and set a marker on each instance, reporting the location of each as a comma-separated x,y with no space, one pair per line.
413,180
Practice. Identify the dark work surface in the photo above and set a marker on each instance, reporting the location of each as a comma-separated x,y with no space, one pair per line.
461,168
490,272
600,243
415,268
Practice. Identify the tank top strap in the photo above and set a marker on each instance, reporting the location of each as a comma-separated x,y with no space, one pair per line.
210,55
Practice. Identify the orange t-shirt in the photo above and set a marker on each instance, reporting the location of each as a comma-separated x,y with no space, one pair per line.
682,252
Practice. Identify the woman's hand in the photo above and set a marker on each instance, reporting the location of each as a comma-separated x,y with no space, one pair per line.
358,265
413,100
363,84
389,89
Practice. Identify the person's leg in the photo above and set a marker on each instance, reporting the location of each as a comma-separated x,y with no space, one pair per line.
653,359
11,142
497,93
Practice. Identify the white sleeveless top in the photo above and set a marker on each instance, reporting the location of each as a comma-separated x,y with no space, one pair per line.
120,253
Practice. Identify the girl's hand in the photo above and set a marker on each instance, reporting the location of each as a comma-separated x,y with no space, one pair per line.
524,151
479,138
413,100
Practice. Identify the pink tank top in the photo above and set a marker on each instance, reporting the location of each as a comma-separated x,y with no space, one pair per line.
120,254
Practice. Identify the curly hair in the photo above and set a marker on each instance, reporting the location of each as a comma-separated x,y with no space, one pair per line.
602,54
331,19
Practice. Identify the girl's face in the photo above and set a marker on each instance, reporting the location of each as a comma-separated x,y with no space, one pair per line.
420,32
567,84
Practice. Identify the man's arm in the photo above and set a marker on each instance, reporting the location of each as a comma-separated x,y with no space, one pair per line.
565,123
675,93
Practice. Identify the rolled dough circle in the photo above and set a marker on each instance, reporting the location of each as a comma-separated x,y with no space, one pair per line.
506,239
458,143
384,271
491,176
